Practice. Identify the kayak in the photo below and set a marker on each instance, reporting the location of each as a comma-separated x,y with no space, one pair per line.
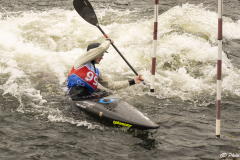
111,108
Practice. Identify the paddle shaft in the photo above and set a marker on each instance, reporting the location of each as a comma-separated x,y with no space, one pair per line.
117,50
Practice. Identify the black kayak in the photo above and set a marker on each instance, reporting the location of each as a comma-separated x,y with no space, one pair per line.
113,109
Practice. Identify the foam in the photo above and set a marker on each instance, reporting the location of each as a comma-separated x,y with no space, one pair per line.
49,42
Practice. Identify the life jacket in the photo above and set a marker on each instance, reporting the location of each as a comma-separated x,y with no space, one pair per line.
84,76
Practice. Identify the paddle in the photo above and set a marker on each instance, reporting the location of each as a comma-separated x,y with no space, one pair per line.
85,10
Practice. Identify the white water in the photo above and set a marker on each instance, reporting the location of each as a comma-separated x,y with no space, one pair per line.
33,44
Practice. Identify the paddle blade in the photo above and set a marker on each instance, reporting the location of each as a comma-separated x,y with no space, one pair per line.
85,10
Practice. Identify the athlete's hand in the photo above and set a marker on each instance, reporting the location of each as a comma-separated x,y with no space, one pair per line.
111,40
138,79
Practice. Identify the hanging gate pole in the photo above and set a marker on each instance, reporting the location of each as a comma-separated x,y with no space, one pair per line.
219,68
154,45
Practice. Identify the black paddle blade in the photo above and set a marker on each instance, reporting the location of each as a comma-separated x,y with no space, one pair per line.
85,10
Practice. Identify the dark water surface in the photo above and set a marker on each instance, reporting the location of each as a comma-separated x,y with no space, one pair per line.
38,122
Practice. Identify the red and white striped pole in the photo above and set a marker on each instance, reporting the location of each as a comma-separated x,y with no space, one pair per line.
155,29
219,68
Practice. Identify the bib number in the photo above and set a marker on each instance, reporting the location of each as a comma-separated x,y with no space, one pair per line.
90,77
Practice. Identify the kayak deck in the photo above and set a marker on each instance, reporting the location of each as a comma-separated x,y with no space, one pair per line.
114,110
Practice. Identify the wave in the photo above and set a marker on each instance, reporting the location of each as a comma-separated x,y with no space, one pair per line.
38,49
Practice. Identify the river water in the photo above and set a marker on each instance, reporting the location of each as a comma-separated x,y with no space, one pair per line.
40,41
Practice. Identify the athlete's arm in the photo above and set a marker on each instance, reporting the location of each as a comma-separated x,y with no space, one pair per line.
92,54
107,82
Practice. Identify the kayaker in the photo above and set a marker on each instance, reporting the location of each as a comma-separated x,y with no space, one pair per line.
84,77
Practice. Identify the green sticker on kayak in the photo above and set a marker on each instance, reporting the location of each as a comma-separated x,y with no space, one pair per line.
121,123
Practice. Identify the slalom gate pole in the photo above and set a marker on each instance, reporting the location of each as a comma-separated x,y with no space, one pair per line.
155,29
219,68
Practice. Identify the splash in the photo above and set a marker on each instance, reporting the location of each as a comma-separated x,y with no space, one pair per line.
38,49
60,118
